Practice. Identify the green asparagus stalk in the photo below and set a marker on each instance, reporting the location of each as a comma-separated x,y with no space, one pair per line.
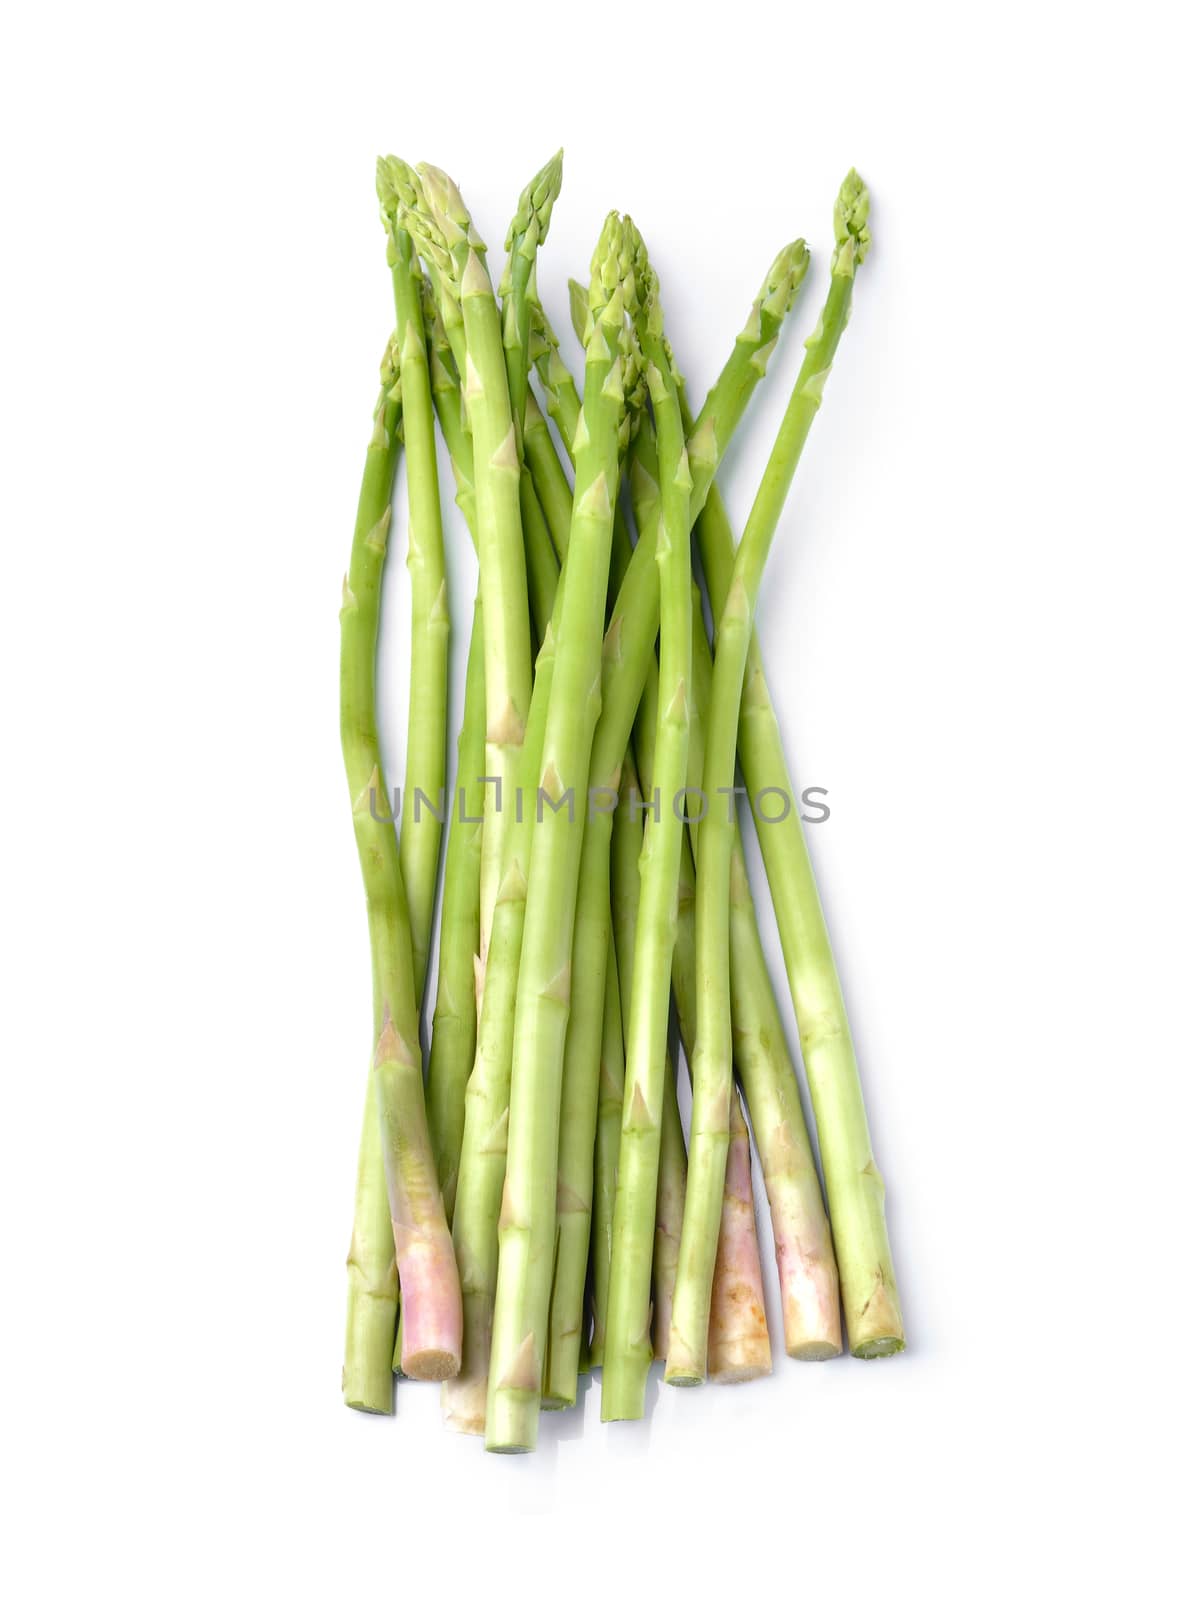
628,657
527,1224
856,1193
628,1347
739,1343
526,232
426,731
430,206
807,1277
713,1061
453,1035
610,1097
422,1244
372,1266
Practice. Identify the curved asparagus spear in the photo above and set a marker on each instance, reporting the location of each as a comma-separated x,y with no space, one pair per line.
856,1194
807,1277
713,1064
803,1244
426,728
430,206
425,1264
527,1225
526,232
628,1348
372,1268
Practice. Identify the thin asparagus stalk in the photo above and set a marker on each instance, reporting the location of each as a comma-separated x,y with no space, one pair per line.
453,1036
426,729
372,1267
628,657
740,1349
527,230
713,1062
628,1347
425,1263
430,206
486,1117
550,481
527,1224
608,1138
807,1277
672,1165
482,1156
803,1246
856,1193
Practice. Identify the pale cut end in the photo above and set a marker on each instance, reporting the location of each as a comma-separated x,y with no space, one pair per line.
814,1350
430,1366
872,1349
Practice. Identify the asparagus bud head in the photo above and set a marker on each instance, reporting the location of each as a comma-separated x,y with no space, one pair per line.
850,218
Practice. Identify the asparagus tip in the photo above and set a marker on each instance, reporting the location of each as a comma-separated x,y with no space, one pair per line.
851,222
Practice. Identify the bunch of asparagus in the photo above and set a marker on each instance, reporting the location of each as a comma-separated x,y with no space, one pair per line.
528,1209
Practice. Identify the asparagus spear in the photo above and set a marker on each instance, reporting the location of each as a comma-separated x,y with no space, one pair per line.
397,1112
741,1347
453,1035
713,1060
628,1347
431,207
856,1194
807,1277
803,1246
372,1267
628,658
527,1224
426,730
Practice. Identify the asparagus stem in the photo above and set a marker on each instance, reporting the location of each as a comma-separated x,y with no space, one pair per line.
742,1339
856,1194
528,1215
425,1263
426,730
608,1138
372,1267
807,1278
628,1347
486,1118
713,1068
628,657
430,206
453,1036
526,232
672,1166
550,481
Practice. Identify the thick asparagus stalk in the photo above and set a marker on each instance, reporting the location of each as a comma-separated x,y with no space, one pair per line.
527,1225
426,728
425,1263
856,1194
610,1098
430,206
628,1347
372,1267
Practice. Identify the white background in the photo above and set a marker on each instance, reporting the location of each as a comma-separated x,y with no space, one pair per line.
976,624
